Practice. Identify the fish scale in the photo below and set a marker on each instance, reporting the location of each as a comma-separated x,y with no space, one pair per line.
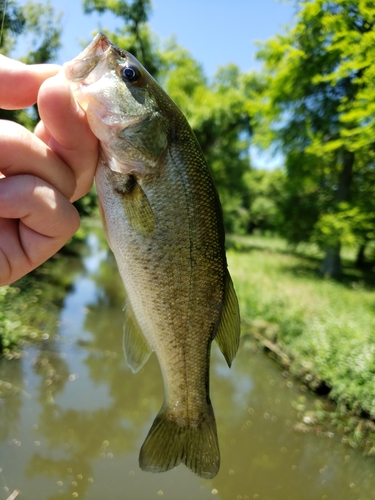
163,222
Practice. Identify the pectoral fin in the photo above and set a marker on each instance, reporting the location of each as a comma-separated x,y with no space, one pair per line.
136,348
136,206
228,333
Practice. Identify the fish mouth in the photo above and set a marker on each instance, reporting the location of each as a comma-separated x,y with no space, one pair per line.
98,45
89,66
80,67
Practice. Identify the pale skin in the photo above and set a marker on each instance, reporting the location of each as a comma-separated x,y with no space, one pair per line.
43,172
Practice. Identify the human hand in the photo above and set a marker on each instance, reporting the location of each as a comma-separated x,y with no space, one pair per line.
42,172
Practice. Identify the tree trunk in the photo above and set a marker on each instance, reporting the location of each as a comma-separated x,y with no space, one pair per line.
360,262
345,178
331,265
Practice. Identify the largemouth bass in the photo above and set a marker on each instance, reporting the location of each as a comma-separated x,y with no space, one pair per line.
163,221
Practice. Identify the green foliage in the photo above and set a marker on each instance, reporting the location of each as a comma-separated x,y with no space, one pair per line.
325,327
9,322
265,193
37,23
318,106
133,12
348,224
40,26
135,35
25,311
42,19
12,24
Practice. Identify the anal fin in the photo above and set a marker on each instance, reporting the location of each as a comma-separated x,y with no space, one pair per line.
228,333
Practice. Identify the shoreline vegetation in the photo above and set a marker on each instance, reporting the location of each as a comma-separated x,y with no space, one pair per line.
29,308
321,331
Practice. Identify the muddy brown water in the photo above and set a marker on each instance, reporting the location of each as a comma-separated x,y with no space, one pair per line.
73,417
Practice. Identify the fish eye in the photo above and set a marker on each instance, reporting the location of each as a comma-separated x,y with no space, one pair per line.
130,74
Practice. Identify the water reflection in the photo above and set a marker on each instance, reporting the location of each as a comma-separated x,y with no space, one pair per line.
73,417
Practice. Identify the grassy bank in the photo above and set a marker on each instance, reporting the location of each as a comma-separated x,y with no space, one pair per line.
30,307
322,329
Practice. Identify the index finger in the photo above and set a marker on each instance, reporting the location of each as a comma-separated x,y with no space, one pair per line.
68,133
20,82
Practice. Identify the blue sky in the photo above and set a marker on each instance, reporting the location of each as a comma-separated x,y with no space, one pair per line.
216,32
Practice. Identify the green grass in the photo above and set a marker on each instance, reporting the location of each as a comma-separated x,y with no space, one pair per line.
327,328
30,307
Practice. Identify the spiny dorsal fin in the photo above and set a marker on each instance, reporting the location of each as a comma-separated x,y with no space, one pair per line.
228,333
136,348
170,442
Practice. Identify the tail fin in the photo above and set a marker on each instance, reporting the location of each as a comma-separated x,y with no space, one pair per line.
169,443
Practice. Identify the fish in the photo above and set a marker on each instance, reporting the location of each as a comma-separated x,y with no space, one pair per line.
163,221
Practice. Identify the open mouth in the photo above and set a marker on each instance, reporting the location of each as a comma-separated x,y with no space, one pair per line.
79,68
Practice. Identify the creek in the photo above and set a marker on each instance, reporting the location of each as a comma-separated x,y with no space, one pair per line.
73,416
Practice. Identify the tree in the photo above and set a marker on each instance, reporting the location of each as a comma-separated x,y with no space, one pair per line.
12,24
43,28
266,190
319,109
135,35
40,25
